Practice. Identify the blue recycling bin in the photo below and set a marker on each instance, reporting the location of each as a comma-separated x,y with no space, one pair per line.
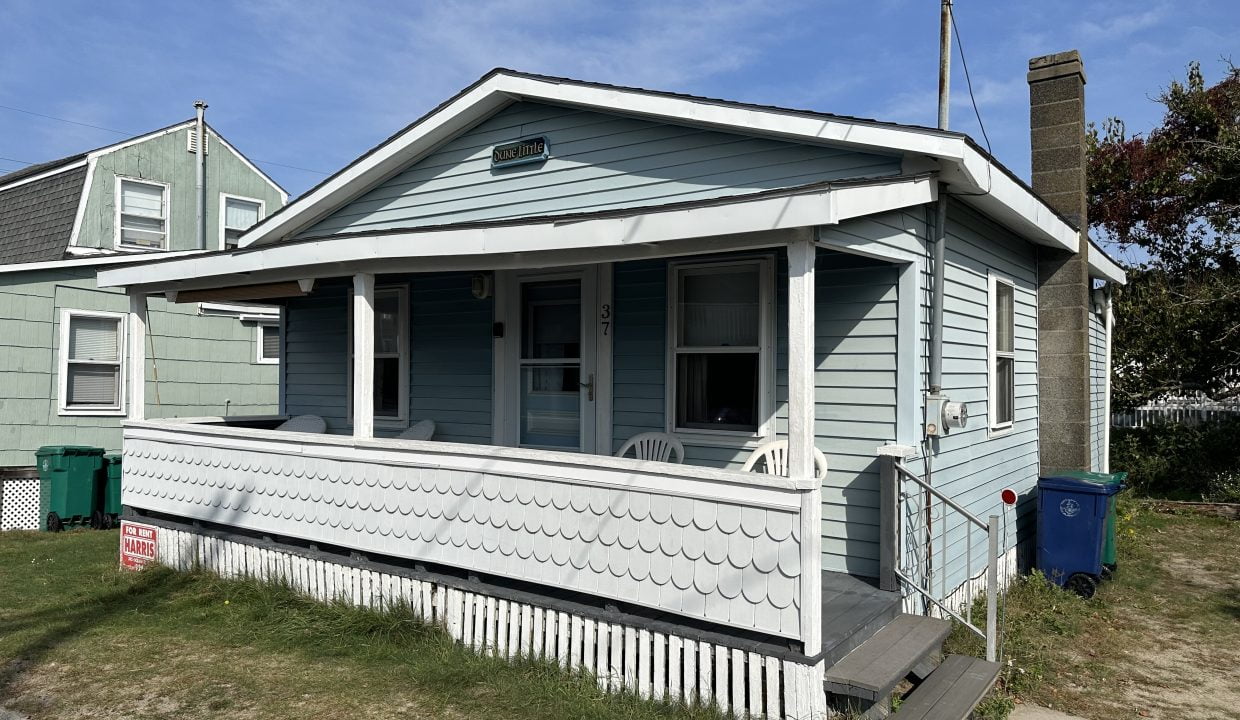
1072,515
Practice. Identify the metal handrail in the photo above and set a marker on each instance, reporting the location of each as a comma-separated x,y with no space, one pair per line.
992,565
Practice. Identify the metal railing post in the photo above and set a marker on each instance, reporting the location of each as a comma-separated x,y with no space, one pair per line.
992,590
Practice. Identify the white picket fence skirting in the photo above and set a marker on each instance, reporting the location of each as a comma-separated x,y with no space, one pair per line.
1176,414
660,666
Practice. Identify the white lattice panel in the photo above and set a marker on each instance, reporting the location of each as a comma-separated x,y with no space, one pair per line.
19,504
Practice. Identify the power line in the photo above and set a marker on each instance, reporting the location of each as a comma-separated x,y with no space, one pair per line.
969,82
130,134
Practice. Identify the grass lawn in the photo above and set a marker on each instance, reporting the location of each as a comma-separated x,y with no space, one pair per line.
79,638
1161,640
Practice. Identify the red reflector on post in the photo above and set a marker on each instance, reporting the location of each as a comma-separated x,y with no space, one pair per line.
1008,496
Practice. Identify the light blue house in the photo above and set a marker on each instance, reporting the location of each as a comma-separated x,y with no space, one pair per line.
545,269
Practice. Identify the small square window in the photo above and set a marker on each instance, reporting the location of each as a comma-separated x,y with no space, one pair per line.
268,343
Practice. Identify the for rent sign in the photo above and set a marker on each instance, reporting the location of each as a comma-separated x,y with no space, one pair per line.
137,545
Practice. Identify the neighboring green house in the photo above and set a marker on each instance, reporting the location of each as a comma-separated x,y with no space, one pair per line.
62,339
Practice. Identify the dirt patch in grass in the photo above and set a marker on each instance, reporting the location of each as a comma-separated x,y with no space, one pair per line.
1161,640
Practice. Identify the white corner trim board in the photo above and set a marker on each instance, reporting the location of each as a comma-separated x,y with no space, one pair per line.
655,665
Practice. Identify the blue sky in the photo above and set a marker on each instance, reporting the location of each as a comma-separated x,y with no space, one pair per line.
313,84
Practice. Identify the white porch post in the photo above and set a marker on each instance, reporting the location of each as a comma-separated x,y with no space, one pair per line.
135,373
363,355
801,365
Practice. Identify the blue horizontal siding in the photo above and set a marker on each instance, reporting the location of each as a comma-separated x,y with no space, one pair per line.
598,161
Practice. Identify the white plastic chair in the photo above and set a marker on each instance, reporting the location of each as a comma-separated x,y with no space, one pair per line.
421,430
773,457
304,423
656,446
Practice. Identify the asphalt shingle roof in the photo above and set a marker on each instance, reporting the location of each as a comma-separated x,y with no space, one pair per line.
36,218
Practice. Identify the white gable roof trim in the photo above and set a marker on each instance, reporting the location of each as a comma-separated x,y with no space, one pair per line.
805,206
971,173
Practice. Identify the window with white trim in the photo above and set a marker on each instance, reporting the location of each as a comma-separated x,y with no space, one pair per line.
268,342
237,214
1002,353
92,363
391,381
719,351
141,214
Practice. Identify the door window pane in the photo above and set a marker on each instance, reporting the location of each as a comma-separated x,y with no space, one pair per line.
717,391
551,406
552,320
387,322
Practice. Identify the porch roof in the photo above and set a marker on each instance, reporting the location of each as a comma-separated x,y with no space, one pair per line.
757,219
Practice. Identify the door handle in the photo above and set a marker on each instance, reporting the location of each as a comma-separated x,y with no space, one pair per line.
589,386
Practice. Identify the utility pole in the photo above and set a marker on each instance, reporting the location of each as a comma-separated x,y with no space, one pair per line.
945,61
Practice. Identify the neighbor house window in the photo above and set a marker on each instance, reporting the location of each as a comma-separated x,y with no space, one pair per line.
391,381
92,359
268,342
142,214
1002,347
718,346
238,214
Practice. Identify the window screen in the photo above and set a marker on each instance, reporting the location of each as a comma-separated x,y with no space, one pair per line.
270,342
1003,353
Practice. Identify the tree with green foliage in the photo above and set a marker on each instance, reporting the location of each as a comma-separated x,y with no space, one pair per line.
1175,195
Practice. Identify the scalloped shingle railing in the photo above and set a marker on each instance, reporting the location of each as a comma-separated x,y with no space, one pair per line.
711,544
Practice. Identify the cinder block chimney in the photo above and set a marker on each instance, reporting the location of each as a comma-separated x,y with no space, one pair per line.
1057,135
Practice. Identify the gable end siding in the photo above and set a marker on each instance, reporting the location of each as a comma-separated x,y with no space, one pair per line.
598,161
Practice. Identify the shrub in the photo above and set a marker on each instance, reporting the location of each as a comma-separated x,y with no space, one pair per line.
1181,462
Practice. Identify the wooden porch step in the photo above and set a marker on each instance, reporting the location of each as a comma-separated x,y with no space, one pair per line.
874,669
951,692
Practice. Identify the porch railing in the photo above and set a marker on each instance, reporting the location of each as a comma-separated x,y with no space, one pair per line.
718,545
917,558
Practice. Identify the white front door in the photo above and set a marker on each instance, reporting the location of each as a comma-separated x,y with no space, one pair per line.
549,379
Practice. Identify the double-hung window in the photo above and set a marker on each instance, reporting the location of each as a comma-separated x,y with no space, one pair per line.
141,214
92,358
1002,351
238,214
719,351
391,382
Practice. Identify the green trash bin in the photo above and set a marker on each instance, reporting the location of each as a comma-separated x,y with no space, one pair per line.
108,508
1109,559
68,484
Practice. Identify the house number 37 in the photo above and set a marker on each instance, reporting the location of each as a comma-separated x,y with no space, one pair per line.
604,317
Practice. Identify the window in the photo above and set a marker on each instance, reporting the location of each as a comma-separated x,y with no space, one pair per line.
92,352
237,214
391,381
1002,351
141,214
268,342
719,347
